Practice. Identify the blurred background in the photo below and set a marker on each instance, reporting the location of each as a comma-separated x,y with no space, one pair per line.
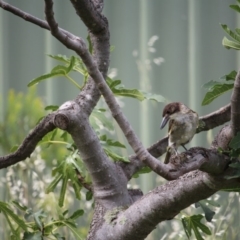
167,47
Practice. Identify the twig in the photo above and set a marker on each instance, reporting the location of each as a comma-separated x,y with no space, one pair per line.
28,17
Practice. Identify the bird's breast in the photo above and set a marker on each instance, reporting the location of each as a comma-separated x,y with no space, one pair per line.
182,129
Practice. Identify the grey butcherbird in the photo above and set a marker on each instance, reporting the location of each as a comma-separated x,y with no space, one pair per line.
182,126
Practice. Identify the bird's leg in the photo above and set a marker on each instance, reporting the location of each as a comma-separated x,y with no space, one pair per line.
184,147
170,150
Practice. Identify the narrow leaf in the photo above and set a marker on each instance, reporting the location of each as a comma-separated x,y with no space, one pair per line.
90,46
231,33
42,78
54,183
5,208
76,214
22,208
153,96
114,156
71,64
63,192
133,93
51,107
230,44
89,195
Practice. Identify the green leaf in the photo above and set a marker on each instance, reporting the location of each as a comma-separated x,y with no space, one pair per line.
111,142
142,171
90,46
235,7
60,70
230,44
42,78
114,156
89,195
194,223
58,236
78,64
64,136
153,96
51,107
14,148
32,236
63,192
231,76
99,120
54,183
235,142
22,208
207,211
133,93
215,91
76,214
233,35
73,229
38,216
119,90
4,208
71,64
60,57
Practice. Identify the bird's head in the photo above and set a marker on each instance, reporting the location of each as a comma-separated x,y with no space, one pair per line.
169,111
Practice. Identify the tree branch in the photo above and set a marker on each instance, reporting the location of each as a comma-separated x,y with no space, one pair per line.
29,143
235,103
90,13
215,119
28,17
162,203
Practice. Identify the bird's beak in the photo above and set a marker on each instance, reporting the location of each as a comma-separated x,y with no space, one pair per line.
164,121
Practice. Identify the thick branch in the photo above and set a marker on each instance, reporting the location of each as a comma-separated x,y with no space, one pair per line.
90,13
235,103
162,203
106,183
29,143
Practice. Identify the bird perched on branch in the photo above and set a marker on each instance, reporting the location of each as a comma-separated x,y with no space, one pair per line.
182,126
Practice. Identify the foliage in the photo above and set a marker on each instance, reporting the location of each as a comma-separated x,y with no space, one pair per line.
37,224
194,223
19,108
75,64
217,88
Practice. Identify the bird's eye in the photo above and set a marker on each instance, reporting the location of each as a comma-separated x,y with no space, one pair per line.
167,112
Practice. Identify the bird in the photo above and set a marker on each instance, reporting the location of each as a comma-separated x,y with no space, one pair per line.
182,126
